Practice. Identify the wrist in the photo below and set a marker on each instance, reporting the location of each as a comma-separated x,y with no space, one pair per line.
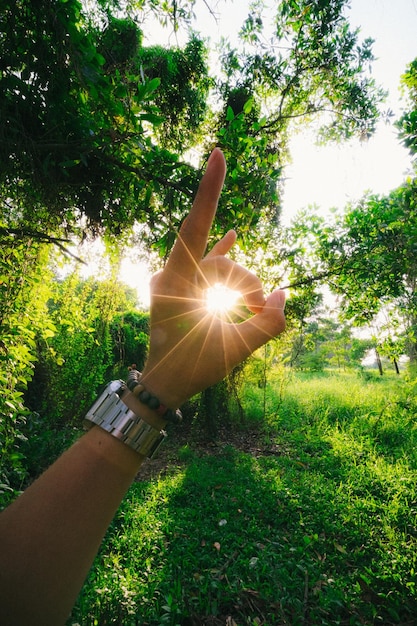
112,451
142,410
164,385
120,414
138,385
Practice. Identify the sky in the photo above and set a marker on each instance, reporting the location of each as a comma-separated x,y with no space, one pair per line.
330,176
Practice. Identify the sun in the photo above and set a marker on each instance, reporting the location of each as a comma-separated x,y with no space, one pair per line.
220,299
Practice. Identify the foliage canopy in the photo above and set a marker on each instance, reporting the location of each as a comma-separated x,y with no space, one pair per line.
96,125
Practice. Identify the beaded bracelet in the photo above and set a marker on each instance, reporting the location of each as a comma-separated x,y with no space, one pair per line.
139,390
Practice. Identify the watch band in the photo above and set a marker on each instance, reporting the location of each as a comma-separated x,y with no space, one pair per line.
111,413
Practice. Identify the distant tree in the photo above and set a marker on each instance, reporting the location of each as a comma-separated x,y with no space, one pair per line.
130,338
324,342
393,350
370,254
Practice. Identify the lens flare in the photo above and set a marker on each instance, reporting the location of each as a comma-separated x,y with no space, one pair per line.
220,299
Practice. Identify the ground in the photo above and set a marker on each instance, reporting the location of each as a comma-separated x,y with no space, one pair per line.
248,440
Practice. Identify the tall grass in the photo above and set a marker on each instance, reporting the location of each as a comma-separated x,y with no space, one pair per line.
315,524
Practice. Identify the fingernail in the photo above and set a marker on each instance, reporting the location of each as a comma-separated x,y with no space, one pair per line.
281,299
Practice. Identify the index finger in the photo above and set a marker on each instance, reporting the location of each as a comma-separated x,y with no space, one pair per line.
192,239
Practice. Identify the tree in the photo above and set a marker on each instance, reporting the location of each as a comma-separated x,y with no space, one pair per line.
24,291
370,258
407,124
70,364
312,68
74,362
76,108
367,256
95,126
130,338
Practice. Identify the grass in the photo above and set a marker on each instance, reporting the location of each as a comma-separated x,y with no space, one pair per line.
316,524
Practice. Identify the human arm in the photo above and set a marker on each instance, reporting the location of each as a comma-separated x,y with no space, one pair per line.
50,535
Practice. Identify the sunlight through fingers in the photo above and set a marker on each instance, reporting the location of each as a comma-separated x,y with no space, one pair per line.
219,299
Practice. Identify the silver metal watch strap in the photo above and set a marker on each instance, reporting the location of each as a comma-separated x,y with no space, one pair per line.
111,413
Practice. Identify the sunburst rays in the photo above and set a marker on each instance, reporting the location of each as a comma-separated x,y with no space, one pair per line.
202,309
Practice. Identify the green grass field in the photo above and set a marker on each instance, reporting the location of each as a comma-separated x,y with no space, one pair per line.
313,523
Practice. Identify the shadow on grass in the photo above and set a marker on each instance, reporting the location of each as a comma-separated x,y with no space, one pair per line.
308,535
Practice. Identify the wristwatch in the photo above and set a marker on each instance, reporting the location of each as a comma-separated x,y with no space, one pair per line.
112,415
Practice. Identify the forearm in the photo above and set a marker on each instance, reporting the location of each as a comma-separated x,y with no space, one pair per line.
51,534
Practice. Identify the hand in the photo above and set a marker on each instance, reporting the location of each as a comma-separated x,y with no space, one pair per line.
190,348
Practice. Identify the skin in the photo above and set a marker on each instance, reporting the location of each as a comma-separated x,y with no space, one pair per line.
192,350
50,535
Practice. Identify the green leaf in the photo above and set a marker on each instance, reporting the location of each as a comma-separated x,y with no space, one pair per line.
154,84
248,106
156,120
230,114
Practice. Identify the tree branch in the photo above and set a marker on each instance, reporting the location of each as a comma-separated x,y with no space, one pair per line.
24,233
310,279
148,177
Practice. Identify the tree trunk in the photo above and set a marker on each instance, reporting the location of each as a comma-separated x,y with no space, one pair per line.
214,403
379,362
412,342
209,408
